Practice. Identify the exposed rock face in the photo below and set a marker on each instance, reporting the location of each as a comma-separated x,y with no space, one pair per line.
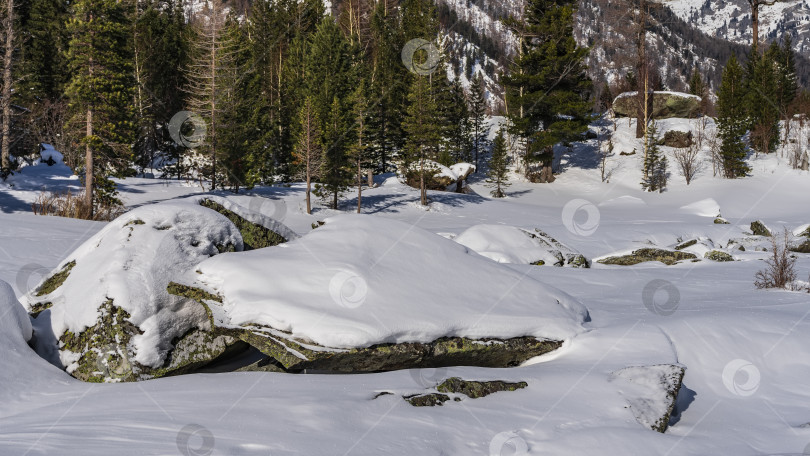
759,229
649,254
717,255
677,139
296,355
109,315
665,105
456,387
651,392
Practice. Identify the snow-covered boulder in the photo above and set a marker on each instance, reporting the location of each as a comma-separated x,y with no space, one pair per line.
442,178
665,105
365,293
105,313
651,392
509,244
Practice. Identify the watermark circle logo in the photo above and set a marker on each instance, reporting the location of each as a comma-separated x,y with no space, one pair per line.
431,62
348,289
508,443
652,294
113,362
275,209
741,377
428,377
29,276
572,222
195,440
188,129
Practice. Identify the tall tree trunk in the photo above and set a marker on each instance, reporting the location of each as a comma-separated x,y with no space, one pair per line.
89,172
5,162
643,70
755,25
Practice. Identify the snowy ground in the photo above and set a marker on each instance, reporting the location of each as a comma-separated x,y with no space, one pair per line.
745,390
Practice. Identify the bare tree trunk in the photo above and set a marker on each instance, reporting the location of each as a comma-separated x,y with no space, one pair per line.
88,153
5,162
309,185
755,24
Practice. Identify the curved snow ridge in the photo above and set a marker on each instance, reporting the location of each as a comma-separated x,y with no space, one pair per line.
360,280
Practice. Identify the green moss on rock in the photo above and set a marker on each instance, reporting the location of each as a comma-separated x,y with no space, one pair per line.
55,281
427,400
759,229
475,389
649,254
717,255
721,221
254,236
686,244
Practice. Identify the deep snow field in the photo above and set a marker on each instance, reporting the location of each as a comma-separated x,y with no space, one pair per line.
745,350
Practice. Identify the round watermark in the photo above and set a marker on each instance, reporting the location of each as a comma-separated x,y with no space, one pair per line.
113,362
428,377
29,276
348,289
652,294
188,129
195,440
431,60
741,377
275,209
574,224
508,443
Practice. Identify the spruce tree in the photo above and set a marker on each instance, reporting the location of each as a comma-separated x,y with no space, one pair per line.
761,95
421,127
44,48
547,89
334,173
478,112
498,167
696,84
654,176
732,120
456,141
100,93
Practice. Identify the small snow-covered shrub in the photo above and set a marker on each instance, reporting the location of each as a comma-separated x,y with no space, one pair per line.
72,205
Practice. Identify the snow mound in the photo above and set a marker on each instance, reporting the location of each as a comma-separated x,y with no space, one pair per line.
509,244
128,266
705,208
15,326
361,280
651,392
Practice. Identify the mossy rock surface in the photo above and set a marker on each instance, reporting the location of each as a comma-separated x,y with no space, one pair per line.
254,236
55,281
427,400
474,389
686,244
803,247
759,229
717,255
721,221
667,257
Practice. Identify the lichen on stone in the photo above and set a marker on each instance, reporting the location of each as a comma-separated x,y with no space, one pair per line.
475,389
717,255
55,281
686,244
254,236
759,229
648,254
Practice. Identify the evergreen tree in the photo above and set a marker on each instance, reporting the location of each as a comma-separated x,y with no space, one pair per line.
358,152
456,140
421,127
498,167
547,90
786,79
100,93
655,163
732,120
335,174
761,95
44,48
696,84
160,54
478,112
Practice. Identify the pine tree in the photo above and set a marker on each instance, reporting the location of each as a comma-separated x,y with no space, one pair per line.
760,94
421,127
307,152
547,89
44,47
732,120
334,173
696,84
100,92
498,167
655,163
478,112
455,118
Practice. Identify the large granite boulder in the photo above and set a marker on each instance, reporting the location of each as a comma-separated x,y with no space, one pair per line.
665,105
